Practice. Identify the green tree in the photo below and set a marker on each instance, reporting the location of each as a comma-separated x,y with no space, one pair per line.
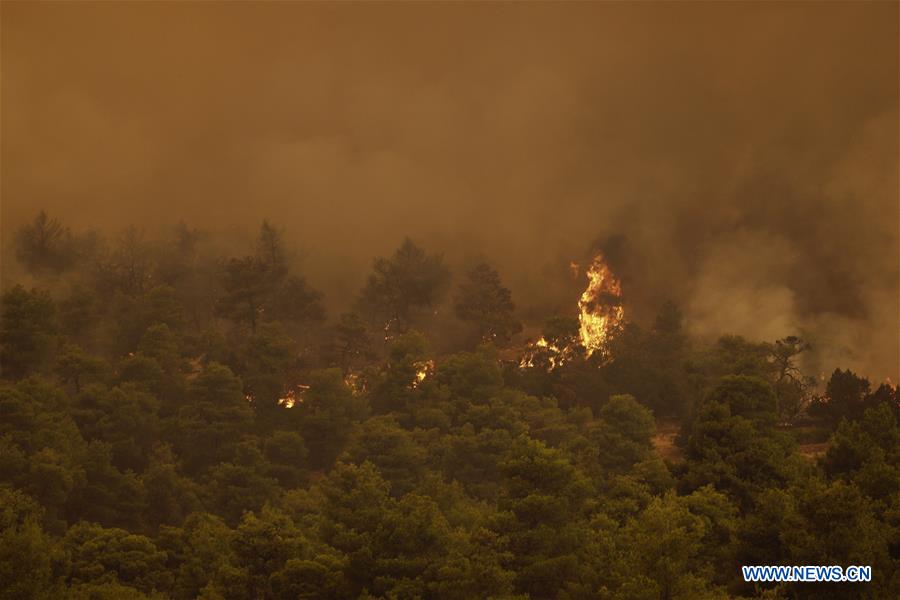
732,442
31,564
790,385
543,507
171,496
661,554
353,502
401,286
142,372
45,245
395,387
650,365
75,366
838,526
240,486
125,418
354,344
160,343
326,416
394,450
27,331
197,551
247,286
102,493
80,312
867,452
267,365
116,556
270,252
624,434
288,458
129,268
296,302
210,425
486,305
847,396
134,315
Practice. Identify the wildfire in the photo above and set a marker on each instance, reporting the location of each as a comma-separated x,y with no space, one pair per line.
556,355
355,383
293,396
600,314
600,307
423,369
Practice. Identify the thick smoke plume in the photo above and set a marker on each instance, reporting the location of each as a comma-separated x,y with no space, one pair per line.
740,159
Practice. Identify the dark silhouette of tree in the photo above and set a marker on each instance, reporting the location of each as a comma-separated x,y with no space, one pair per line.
846,397
733,443
27,331
791,386
353,341
294,301
130,267
45,245
326,416
259,287
486,305
247,288
402,285
270,252
74,365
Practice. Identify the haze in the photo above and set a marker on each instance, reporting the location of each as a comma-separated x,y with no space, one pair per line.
740,159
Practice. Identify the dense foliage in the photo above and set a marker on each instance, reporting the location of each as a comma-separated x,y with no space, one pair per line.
176,424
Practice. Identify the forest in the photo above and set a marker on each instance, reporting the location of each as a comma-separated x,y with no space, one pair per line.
181,419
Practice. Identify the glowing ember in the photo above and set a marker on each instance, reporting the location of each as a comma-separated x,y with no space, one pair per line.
355,383
554,354
288,400
600,307
423,369
293,396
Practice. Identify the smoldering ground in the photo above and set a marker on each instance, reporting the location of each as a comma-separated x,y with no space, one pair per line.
740,159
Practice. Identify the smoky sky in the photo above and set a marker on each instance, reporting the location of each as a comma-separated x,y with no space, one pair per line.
738,158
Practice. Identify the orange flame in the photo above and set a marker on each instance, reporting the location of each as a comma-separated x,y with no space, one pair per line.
555,355
424,368
600,307
600,314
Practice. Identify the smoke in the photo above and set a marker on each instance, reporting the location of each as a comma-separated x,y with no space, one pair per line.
743,158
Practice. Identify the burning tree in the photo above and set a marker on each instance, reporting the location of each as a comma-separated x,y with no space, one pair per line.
600,307
600,315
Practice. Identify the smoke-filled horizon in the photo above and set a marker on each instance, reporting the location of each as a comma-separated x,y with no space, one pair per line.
739,159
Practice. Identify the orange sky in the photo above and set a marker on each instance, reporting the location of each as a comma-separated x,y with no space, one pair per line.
743,154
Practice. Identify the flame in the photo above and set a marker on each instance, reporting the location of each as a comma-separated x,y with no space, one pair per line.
600,314
423,369
556,355
600,307
293,396
288,400
355,383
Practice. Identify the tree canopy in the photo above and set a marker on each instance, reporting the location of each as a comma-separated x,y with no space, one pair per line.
176,422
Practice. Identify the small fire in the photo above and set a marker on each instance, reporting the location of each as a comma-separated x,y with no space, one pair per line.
293,396
355,383
600,307
555,354
423,369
